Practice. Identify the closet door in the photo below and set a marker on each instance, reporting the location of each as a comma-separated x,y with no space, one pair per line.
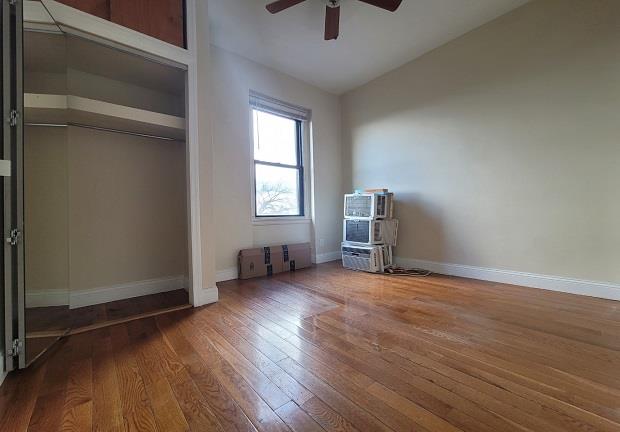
162,19
11,173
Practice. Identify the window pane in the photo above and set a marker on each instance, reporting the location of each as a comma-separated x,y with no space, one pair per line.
275,138
277,191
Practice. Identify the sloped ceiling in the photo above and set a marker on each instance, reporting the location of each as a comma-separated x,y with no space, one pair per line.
371,43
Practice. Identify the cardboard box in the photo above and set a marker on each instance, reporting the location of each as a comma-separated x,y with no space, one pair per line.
267,261
297,256
259,262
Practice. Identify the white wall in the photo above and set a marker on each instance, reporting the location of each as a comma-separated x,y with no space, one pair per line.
232,78
502,146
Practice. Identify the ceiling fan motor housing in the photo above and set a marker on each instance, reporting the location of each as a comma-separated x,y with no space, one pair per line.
332,15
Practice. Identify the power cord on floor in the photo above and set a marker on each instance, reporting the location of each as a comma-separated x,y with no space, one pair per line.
401,271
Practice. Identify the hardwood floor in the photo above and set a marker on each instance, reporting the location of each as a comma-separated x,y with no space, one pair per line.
328,349
45,324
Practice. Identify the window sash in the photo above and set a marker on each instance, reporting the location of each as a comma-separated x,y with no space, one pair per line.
298,140
300,191
300,171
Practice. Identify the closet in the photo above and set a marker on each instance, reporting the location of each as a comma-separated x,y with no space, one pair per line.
105,186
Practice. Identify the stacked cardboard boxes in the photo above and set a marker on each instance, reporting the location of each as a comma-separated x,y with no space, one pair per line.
270,260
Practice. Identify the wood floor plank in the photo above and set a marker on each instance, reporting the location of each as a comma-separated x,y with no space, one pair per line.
297,419
373,371
226,410
349,410
18,396
328,418
47,413
257,410
166,409
269,368
137,410
265,388
107,406
328,349
78,408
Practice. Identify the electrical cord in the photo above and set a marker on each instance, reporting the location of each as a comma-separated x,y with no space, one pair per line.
401,271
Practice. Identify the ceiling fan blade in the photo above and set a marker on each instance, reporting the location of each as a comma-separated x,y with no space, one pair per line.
332,22
390,5
280,5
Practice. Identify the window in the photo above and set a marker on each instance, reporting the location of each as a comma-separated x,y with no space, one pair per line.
278,159
278,168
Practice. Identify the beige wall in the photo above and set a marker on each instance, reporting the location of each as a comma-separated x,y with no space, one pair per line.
127,209
102,209
46,209
502,146
233,77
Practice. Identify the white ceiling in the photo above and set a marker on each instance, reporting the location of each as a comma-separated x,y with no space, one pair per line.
372,41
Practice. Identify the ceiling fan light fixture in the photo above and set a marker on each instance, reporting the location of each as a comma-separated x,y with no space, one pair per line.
332,12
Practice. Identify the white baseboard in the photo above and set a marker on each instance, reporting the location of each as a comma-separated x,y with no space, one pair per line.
47,298
327,257
206,296
226,274
124,291
554,283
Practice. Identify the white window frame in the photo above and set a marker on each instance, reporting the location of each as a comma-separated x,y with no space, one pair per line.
305,160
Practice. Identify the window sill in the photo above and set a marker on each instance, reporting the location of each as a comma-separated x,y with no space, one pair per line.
281,220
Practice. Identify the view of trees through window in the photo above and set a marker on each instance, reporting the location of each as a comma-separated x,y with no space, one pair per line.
278,171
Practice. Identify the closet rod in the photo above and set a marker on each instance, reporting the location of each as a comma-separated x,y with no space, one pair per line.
124,132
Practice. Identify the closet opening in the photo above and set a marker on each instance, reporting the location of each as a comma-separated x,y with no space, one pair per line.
105,187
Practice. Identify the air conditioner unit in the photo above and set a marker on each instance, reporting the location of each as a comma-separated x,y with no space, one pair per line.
388,257
364,258
368,206
382,231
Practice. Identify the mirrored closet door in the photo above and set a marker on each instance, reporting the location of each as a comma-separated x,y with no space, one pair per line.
12,354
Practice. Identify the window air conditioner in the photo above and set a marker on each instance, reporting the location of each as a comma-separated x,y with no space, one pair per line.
365,258
382,231
368,206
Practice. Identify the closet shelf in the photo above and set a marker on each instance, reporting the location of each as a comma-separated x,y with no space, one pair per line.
50,108
49,15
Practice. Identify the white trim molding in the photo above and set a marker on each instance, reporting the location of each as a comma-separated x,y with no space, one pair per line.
124,291
47,298
206,296
327,257
553,283
74,21
227,274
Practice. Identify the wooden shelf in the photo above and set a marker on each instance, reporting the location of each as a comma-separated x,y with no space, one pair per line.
49,108
49,15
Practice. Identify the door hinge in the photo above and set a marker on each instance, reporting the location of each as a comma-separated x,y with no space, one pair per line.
14,237
13,118
16,348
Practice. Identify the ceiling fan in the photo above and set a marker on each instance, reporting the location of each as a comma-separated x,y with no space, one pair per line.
332,12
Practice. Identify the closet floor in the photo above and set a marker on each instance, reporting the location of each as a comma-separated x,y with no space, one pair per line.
46,324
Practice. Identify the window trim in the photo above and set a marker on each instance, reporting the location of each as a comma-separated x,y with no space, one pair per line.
299,167
303,152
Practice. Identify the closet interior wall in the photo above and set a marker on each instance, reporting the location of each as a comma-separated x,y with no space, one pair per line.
105,211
